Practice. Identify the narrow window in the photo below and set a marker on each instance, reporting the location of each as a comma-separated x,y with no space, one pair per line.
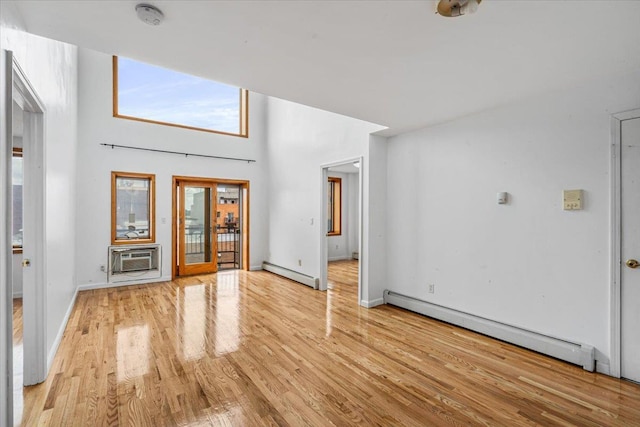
154,94
132,207
334,205
16,185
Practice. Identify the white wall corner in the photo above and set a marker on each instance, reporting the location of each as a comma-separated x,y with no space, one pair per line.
372,303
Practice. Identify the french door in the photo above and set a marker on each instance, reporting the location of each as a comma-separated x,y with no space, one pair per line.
210,230
197,245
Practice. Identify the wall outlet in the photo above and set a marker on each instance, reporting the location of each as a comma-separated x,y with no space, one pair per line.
300,262
432,288
103,268
337,246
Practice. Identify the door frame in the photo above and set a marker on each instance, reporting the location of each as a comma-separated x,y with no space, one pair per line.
18,87
244,207
205,267
616,238
324,239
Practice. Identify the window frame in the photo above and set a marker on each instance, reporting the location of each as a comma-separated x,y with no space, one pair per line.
115,175
336,205
244,111
17,152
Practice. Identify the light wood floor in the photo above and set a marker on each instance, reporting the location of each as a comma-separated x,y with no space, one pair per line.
251,349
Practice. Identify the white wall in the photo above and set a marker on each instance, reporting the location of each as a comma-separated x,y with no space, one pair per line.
301,139
95,163
374,235
527,263
51,67
17,275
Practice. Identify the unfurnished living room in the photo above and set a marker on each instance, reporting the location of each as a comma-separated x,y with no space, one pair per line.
391,213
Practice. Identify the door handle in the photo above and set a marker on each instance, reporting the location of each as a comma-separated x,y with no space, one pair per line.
632,263
26,263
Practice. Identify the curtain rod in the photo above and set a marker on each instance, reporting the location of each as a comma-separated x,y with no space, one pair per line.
176,152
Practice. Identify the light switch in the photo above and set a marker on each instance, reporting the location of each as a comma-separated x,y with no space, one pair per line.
503,198
572,200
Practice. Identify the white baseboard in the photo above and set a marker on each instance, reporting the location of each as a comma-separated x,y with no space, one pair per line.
296,276
255,267
373,303
60,334
17,295
340,258
102,285
603,367
573,352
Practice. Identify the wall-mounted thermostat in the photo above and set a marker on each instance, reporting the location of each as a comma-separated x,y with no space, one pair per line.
572,200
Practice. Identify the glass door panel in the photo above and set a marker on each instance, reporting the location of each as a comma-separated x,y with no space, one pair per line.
197,247
229,226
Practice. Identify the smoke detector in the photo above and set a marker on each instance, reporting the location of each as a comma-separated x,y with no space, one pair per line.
149,14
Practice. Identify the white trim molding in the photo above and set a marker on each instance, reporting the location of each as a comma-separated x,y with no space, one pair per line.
373,303
576,353
296,276
105,285
60,334
615,260
34,277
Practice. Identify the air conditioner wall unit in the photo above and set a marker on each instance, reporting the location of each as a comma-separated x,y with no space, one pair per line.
134,262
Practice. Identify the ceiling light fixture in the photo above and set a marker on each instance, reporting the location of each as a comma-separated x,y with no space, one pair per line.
149,14
453,8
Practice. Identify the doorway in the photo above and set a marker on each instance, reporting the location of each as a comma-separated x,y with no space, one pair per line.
210,225
342,229
627,138
23,128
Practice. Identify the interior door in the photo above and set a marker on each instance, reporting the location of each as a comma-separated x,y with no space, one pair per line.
197,246
630,250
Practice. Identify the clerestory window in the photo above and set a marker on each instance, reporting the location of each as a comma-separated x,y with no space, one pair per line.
158,95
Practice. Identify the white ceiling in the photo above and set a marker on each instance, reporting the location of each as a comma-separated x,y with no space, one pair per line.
394,63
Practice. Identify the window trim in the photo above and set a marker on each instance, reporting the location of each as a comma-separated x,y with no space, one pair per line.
337,207
152,207
244,111
17,152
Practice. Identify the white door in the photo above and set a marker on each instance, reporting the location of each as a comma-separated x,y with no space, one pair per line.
630,250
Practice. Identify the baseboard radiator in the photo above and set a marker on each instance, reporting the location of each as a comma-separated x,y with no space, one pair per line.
313,282
578,354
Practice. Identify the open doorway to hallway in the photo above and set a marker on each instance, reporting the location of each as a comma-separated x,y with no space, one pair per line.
343,230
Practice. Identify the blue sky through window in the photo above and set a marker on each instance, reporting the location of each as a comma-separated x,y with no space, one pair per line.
154,93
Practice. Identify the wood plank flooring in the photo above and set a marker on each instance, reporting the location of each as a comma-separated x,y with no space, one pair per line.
250,349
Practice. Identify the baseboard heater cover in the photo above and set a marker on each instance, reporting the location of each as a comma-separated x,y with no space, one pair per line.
312,282
578,354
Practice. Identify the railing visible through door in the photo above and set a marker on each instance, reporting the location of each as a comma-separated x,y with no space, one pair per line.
228,239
